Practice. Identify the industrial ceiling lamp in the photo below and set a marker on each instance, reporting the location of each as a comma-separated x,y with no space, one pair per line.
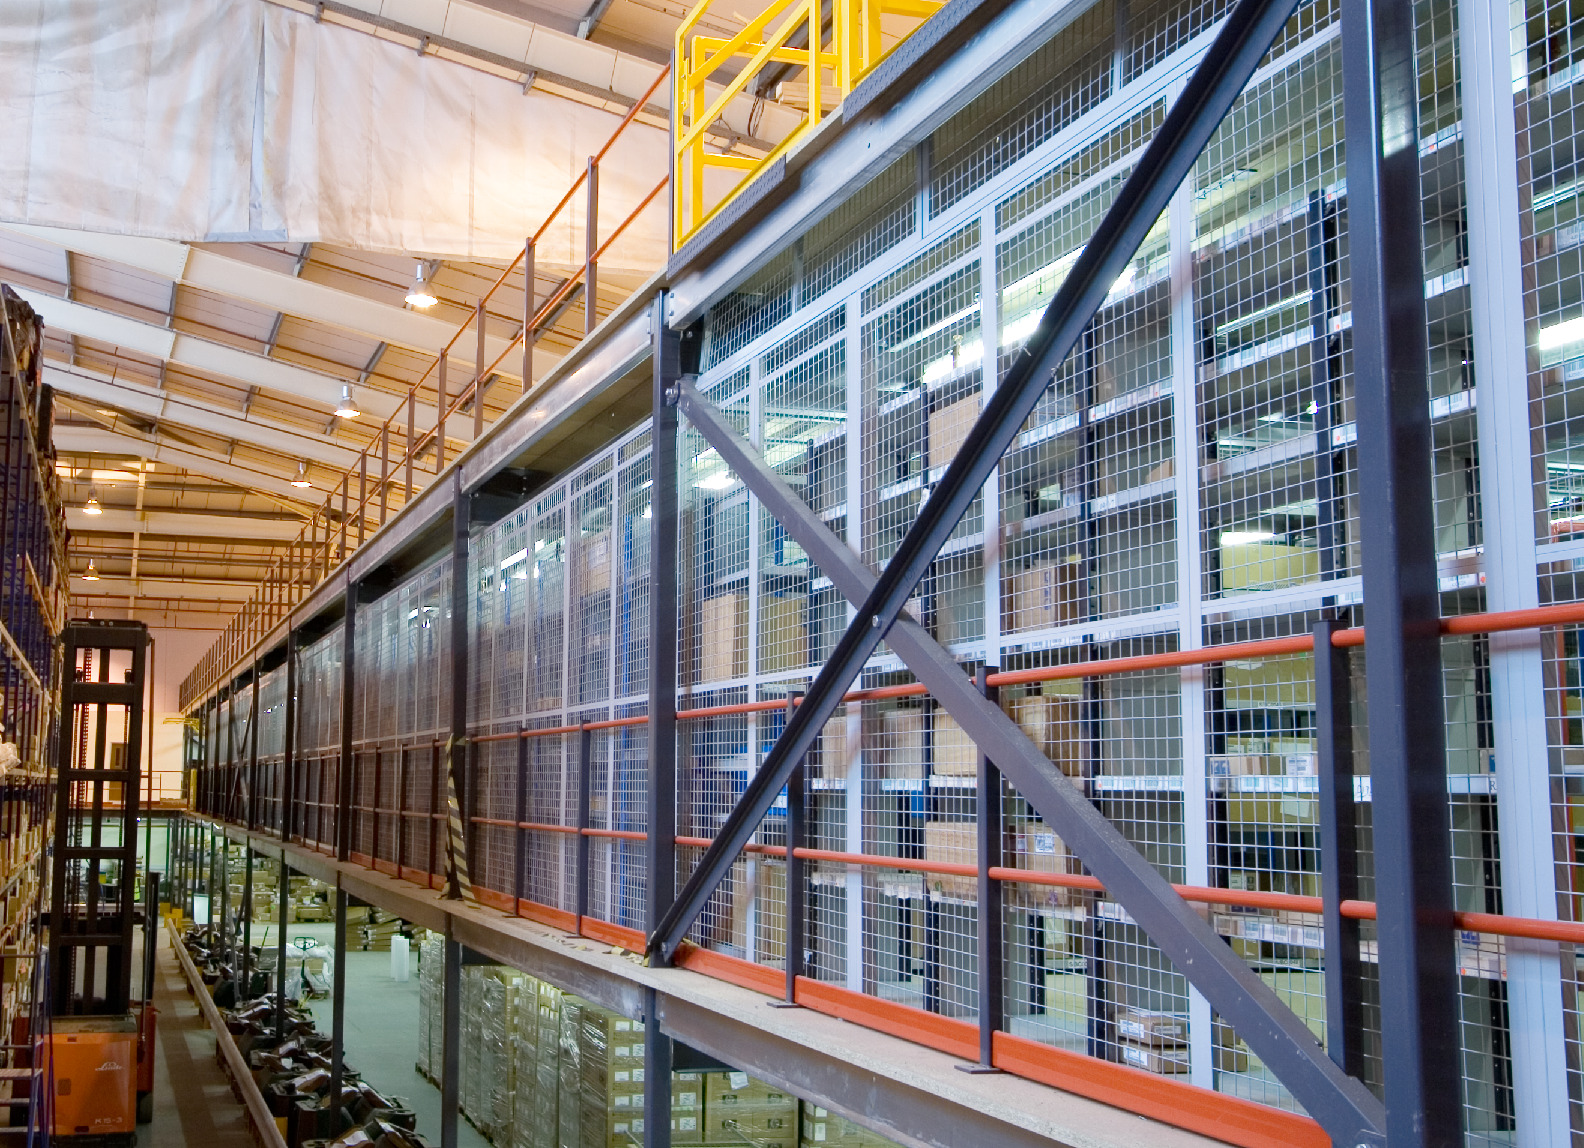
92,507
420,296
92,573
346,408
301,481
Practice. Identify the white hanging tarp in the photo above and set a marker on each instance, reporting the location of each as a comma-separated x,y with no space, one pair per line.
231,119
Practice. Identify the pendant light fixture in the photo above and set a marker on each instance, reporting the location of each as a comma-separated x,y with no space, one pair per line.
421,296
346,408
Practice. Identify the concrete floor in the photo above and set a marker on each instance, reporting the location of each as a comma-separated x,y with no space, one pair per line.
193,1104
382,1032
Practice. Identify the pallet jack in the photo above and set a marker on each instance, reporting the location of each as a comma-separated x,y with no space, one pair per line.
101,1044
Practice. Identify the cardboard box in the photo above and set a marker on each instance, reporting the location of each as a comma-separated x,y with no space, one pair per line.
592,563
1157,1029
897,747
955,843
948,429
1052,724
783,632
1044,595
1301,765
1165,1061
738,1090
954,752
723,638
1034,846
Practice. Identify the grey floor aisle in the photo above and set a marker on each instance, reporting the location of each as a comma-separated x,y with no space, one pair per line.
382,1034
193,1105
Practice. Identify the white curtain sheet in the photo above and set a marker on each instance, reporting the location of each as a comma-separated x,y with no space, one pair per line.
208,120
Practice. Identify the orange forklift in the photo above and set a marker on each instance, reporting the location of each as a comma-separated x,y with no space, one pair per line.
100,1070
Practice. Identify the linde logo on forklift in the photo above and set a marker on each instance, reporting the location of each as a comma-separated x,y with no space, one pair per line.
111,1066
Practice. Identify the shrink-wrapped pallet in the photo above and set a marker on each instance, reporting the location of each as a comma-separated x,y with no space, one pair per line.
569,1113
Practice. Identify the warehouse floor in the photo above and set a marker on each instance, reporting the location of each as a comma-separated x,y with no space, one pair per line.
192,1098
382,1031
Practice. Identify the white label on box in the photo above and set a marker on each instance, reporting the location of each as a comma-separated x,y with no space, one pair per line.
687,1123
739,1079
1044,843
1136,1056
819,1132
622,1100
637,1075
623,1076
1301,765
684,1100
624,1026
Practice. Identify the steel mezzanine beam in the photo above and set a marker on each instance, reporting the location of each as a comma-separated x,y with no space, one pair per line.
1245,37
1347,1110
1420,1038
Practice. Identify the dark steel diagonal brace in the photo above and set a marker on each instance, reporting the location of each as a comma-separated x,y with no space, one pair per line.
1247,34
1347,1110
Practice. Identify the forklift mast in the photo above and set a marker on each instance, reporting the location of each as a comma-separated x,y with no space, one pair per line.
98,763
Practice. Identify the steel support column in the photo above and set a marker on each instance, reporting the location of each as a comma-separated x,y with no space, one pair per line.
662,794
657,1076
338,1009
282,910
663,624
1420,1042
344,777
450,1041
1347,1110
245,980
460,869
1245,36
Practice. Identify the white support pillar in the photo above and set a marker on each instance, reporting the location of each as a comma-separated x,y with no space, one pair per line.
1534,975
1190,594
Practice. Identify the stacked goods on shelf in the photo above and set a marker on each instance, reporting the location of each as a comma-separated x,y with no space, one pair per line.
431,984
822,1129
376,934
33,595
547,1076
739,1109
569,1101
472,1090
1153,1041
499,990
525,1116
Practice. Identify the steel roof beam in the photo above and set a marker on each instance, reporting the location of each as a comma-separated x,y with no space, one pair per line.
162,406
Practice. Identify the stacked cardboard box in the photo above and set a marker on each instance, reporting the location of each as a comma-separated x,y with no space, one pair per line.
723,638
948,429
783,632
1153,1041
1029,845
431,962
822,1129
499,990
739,1109
1051,722
1043,595
569,1115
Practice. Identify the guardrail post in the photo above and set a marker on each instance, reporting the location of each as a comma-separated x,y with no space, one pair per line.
412,412
796,838
590,246
520,836
440,407
1338,850
346,482
992,970
479,316
1420,1040
384,471
585,786
530,291
362,503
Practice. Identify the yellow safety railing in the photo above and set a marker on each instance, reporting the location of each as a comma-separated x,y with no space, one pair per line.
829,45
